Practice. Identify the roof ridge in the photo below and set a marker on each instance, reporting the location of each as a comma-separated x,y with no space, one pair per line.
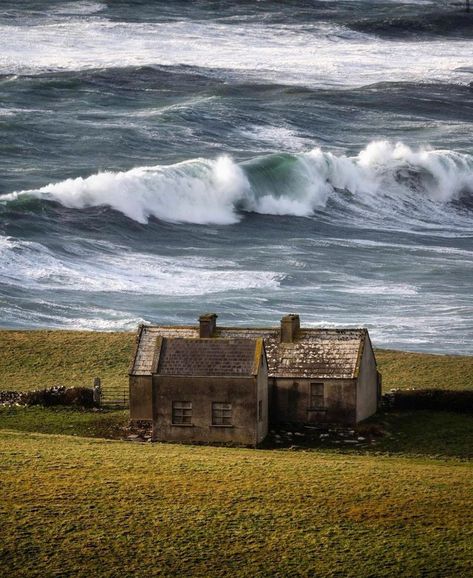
254,328
315,353
210,339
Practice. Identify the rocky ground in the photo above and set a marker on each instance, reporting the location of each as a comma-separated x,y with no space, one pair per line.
290,437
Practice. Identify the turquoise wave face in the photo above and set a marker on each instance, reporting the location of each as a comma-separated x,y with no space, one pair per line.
254,160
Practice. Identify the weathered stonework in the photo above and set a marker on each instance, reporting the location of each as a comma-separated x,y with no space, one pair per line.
196,373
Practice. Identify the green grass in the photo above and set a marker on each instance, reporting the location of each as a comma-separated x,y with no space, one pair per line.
39,359
78,507
65,420
401,369
440,435
418,433
436,434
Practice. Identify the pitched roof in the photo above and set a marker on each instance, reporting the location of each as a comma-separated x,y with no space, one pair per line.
209,357
315,353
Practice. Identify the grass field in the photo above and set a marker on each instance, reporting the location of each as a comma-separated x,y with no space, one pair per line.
76,504
402,370
38,359
108,424
79,507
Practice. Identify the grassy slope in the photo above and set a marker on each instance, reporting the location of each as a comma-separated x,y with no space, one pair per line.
421,370
85,507
36,359
78,506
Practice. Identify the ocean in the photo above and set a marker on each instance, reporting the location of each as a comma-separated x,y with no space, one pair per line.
159,160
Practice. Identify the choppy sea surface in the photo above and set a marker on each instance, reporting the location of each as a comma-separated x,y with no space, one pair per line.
163,159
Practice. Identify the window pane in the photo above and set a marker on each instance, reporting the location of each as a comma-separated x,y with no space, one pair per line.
181,412
182,404
317,395
221,413
219,405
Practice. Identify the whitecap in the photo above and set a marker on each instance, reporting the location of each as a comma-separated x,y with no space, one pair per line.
34,266
309,55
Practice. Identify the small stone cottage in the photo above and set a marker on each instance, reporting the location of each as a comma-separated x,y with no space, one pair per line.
209,390
209,384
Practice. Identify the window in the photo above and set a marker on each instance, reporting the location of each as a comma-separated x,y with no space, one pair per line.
260,410
182,413
221,413
317,396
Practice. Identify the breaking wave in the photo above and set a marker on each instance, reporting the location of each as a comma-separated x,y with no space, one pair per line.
383,177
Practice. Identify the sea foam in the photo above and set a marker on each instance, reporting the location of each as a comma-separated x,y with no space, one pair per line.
320,54
33,265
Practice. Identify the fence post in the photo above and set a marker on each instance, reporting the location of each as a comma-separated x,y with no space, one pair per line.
97,390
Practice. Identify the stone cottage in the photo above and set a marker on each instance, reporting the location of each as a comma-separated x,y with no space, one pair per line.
203,390
285,374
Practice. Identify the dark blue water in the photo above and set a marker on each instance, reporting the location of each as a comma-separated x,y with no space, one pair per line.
158,160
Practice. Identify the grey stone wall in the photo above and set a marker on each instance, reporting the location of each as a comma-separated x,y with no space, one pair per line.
367,385
291,401
201,392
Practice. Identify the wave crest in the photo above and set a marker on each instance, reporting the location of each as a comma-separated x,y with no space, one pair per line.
383,177
198,191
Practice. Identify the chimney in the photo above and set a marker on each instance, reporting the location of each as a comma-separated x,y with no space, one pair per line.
290,324
207,324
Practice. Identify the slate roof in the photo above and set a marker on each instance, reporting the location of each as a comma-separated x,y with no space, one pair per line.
315,353
209,357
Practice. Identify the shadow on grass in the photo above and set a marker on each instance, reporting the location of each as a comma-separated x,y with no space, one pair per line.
439,434
414,433
409,433
103,423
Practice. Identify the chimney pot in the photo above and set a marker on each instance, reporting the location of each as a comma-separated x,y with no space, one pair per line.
207,325
290,325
